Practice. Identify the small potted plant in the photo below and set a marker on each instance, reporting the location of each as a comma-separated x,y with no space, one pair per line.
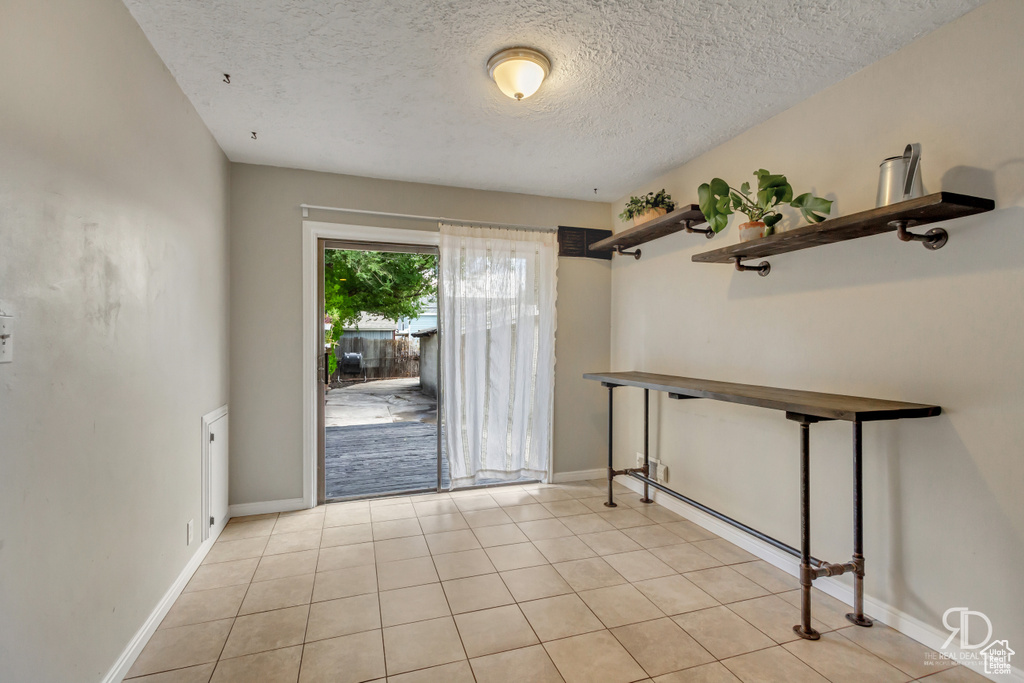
648,207
718,199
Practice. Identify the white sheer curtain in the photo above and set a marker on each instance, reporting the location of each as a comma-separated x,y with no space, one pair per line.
498,351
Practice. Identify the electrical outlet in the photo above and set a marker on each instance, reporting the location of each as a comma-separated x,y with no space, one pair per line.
190,531
656,470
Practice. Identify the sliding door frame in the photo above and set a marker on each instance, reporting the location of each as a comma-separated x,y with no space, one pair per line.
322,368
351,245
366,237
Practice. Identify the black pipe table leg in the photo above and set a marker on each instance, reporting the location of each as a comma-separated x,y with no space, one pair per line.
804,628
647,445
857,616
611,465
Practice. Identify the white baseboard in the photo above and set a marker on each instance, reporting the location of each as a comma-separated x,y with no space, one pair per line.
579,475
263,507
910,626
142,636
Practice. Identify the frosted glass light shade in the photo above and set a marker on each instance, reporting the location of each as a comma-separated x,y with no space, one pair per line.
518,71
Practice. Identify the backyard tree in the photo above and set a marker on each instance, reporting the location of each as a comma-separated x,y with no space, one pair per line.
380,283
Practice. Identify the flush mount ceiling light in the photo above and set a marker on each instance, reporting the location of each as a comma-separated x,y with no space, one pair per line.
518,71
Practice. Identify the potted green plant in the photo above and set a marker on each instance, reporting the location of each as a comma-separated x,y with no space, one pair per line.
718,199
647,207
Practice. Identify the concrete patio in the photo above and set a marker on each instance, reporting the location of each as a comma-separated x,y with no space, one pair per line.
380,402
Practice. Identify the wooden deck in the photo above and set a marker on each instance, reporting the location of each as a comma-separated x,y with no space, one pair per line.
374,459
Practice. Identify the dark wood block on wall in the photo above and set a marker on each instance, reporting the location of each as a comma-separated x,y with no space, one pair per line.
577,242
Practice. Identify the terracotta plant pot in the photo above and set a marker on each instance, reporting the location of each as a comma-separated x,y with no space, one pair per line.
751,230
649,215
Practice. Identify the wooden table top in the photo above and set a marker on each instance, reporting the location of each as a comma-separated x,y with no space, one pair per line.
812,403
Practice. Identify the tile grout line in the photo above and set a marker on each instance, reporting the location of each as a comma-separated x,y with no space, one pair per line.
305,630
855,645
234,621
380,606
548,563
450,612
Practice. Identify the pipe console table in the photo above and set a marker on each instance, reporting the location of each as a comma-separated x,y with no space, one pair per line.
804,407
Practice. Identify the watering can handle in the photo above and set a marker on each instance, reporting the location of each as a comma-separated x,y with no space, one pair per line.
913,151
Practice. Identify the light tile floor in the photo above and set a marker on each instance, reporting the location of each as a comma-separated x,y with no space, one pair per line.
528,583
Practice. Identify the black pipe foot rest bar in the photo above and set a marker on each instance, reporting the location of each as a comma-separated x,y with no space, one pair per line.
804,407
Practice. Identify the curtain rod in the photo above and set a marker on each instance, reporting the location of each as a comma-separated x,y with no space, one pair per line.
387,214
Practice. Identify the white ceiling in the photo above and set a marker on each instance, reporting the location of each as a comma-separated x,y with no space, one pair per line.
398,88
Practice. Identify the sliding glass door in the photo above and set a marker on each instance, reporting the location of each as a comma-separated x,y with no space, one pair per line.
379,415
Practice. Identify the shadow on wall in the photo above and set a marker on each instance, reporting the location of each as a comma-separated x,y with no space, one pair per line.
980,182
981,243
951,488
1005,184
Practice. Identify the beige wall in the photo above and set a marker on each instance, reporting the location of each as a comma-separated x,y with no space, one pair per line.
872,317
266,317
113,262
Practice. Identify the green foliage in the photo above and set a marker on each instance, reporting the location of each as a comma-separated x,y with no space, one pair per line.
331,334
639,205
379,283
718,200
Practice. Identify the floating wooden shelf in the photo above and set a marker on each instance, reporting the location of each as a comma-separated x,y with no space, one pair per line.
941,206
812,403
683,218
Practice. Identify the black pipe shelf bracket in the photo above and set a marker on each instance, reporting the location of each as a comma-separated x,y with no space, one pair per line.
898,217
935,238
688,227
762,268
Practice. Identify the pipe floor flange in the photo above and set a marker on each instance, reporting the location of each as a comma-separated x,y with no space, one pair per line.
859,620
810,634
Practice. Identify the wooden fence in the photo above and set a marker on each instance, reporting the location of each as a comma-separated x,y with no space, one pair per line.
382,358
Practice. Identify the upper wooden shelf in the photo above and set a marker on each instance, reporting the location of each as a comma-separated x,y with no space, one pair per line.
674,221
932,208
812,403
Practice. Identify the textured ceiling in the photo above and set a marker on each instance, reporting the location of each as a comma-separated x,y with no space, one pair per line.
398,88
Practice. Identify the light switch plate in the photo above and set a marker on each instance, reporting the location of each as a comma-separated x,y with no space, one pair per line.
6,339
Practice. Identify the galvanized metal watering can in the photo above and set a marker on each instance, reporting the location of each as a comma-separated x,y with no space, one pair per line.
899,177
900,180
